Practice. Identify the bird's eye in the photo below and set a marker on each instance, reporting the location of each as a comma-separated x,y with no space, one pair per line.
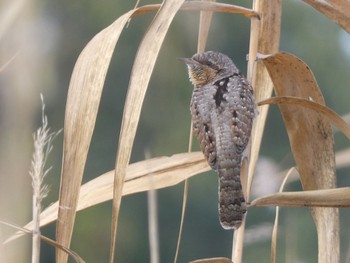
212,66
208,63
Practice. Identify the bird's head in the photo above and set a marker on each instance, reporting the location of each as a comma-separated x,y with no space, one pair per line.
208,67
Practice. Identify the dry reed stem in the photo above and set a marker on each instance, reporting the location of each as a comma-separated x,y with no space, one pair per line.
204,26
153,231
275,225
264,38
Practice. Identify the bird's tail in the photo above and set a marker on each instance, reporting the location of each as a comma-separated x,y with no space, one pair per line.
232,205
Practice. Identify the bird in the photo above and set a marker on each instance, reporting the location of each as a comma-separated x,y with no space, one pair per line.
222,108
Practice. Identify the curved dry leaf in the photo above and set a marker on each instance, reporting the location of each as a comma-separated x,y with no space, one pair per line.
336,119
212,260
218,7
141,73
23,230
201,6
338,197
338,11
311,140
142,176
81,109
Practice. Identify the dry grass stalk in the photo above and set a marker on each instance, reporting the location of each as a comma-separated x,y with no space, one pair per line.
153,226
42,148
204,26
264,38
275,226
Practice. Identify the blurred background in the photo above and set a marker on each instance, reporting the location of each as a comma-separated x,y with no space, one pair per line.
39,44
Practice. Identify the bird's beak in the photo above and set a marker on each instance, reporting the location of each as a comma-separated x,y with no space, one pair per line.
187,61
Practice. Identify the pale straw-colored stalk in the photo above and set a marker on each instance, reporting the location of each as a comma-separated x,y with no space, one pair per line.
42,147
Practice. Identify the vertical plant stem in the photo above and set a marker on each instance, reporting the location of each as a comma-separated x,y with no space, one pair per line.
42,147
153,226
36,229
184,201
237,244
204,26
264,38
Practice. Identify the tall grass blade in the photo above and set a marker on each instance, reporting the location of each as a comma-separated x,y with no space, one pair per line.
81,109
141,73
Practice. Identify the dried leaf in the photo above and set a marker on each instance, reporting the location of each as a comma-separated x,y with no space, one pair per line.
336,10
202,6
218,7
338,197
81,109
311,141
332,116
141,73
212,260
70,252
142,176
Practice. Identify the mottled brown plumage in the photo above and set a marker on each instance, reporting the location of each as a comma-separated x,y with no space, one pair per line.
222,108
